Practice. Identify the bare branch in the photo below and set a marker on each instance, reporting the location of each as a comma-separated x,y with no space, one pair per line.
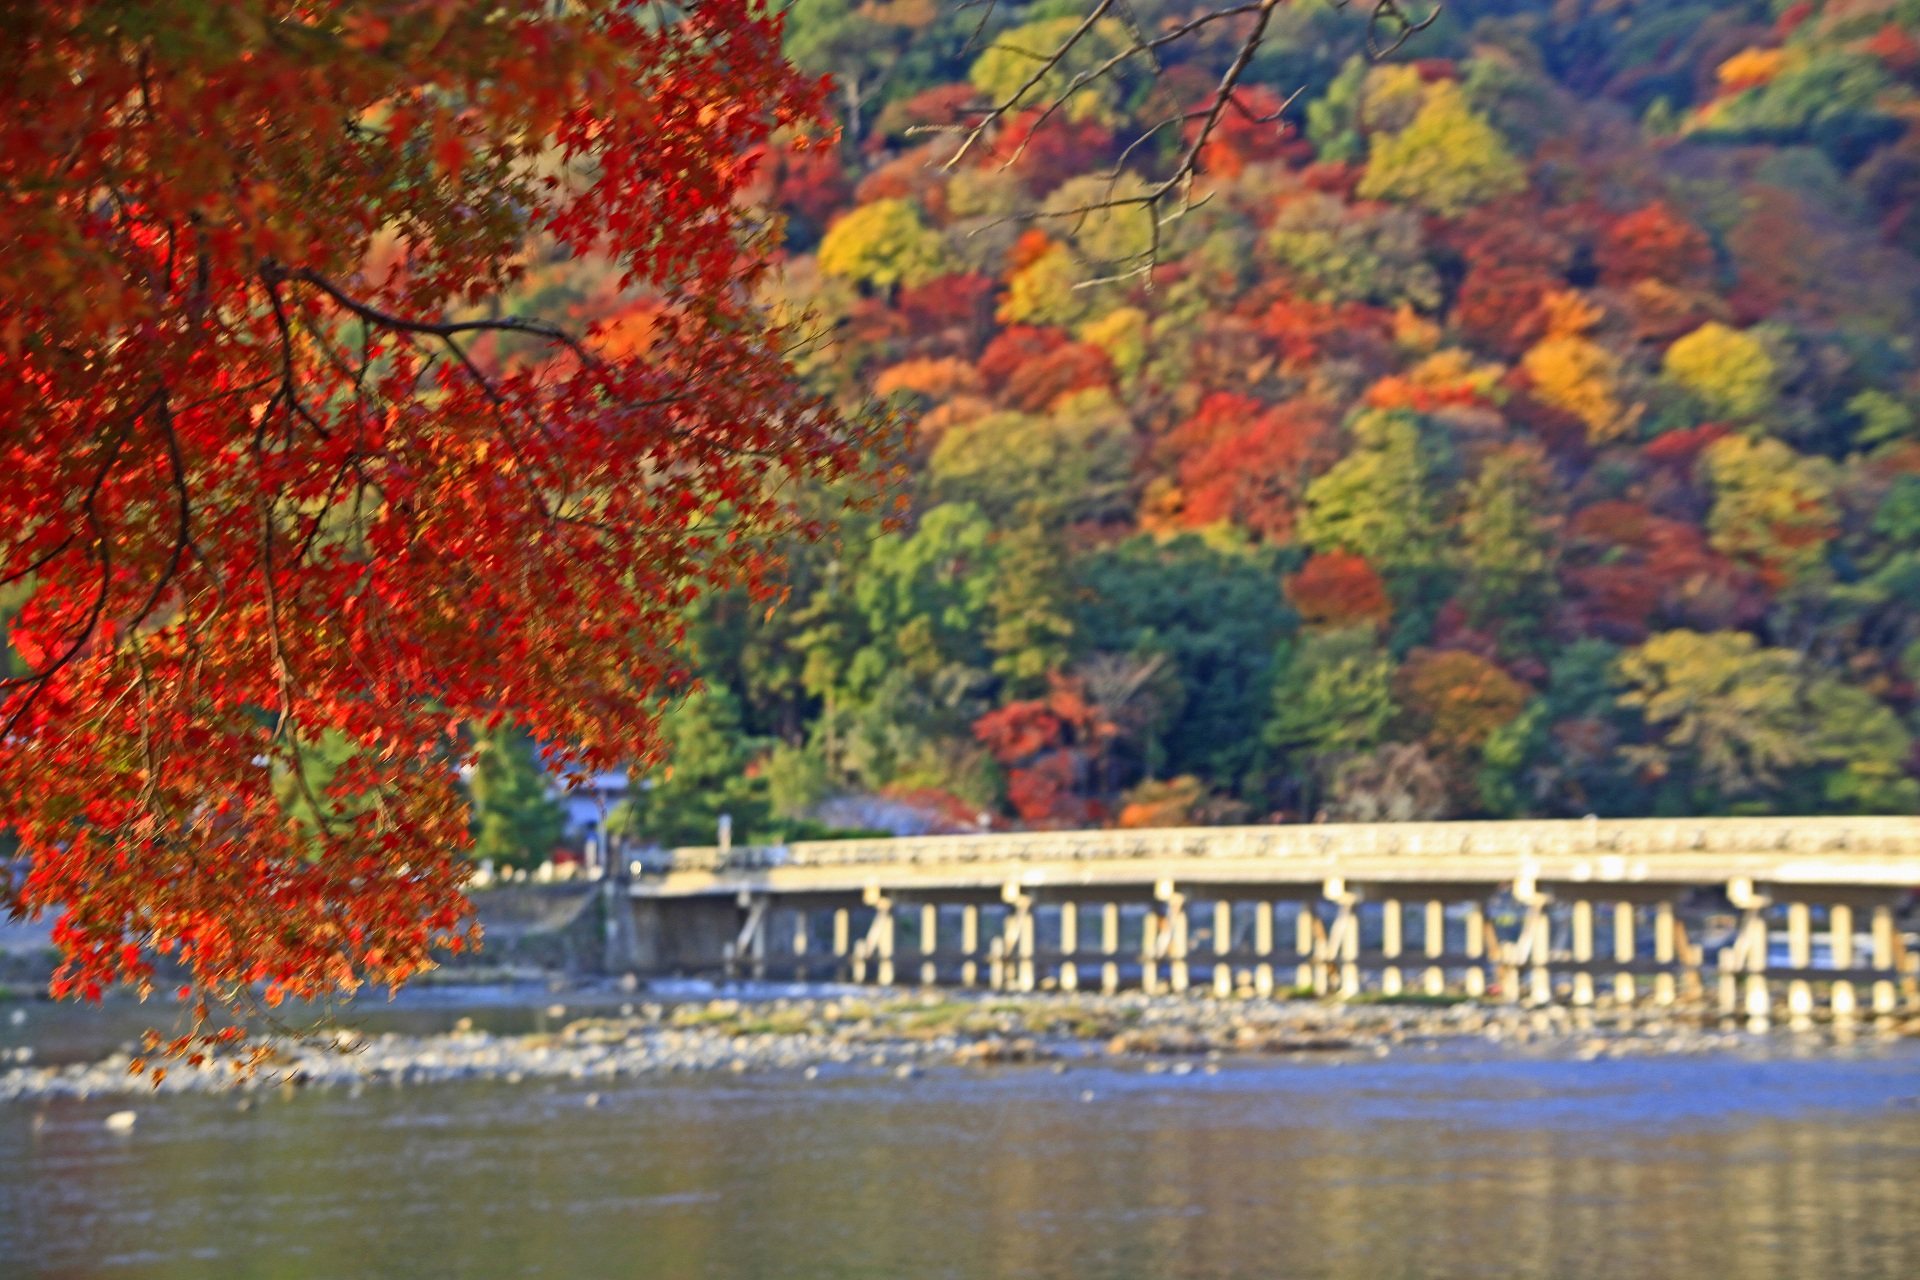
1389,27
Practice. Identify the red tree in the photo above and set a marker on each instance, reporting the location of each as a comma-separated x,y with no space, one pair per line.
1050,748
1016,345
1244,461
1047,153
1339,589
265,492
1073,366
1249,130
1654,243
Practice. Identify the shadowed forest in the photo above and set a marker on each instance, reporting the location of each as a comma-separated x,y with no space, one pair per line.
1523,425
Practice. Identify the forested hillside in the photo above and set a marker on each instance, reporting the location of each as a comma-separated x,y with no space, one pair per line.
1524,424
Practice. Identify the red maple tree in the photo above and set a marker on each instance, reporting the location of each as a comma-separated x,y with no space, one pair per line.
1339,589
265,492
1249,462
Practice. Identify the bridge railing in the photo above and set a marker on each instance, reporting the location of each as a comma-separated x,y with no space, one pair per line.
1519,840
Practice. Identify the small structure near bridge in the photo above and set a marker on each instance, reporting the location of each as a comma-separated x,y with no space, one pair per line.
1760,913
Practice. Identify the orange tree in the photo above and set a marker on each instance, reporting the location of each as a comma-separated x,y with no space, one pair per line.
284,474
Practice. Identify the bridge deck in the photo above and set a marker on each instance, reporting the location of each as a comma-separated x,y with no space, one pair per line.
1625,856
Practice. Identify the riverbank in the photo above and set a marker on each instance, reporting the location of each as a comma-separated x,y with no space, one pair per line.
919,1032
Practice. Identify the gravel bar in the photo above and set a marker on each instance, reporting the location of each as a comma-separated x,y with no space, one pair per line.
909,1034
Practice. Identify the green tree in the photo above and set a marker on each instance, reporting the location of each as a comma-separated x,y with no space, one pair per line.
1446,162
1738,721
1032,630
516,821
1865,748
1334,696
1509,539
860,46
1343,254
1374,502
1833,97
1003,71
1333,119
703,774
897,651
1218,617
1772,508
1108,234
1725,711
1073,463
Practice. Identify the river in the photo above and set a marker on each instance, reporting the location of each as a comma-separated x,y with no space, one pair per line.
1397,1169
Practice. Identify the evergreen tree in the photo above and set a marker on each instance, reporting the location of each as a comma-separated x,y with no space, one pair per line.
516,820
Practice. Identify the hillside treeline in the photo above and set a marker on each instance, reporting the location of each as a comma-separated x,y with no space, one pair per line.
1522,425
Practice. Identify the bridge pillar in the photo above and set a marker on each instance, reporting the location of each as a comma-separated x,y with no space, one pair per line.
1178,976
1150,947
1748,955
1263,948
1884,997
929,943
800,941
842,944
1434,938
1663,953
1475,981
1799,958
1343,940
1390,946
1222,947
1018,944
969,943
1110,947
1176,935
1069,946
1309,973
1840,955
1583,950
1540,951
880,937
1624,944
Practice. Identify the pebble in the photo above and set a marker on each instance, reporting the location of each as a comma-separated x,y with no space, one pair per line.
121,1121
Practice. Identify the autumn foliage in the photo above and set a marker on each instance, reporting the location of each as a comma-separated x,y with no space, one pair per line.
270,489
1339,589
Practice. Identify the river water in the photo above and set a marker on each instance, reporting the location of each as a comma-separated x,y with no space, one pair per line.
1419,1165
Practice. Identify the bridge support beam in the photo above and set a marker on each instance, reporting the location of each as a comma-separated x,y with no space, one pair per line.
1583,951
1110,947
1222,947
1069,946
880,938
1884,939
969,943
1343,939
1434,939
1263,948
1017,940
1390,946
929,943
1799,957
1310,972
1625,945
1476,950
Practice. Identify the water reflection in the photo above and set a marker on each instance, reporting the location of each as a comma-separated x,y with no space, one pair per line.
1409,1169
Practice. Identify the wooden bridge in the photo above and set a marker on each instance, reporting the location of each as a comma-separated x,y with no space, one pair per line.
1768,910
